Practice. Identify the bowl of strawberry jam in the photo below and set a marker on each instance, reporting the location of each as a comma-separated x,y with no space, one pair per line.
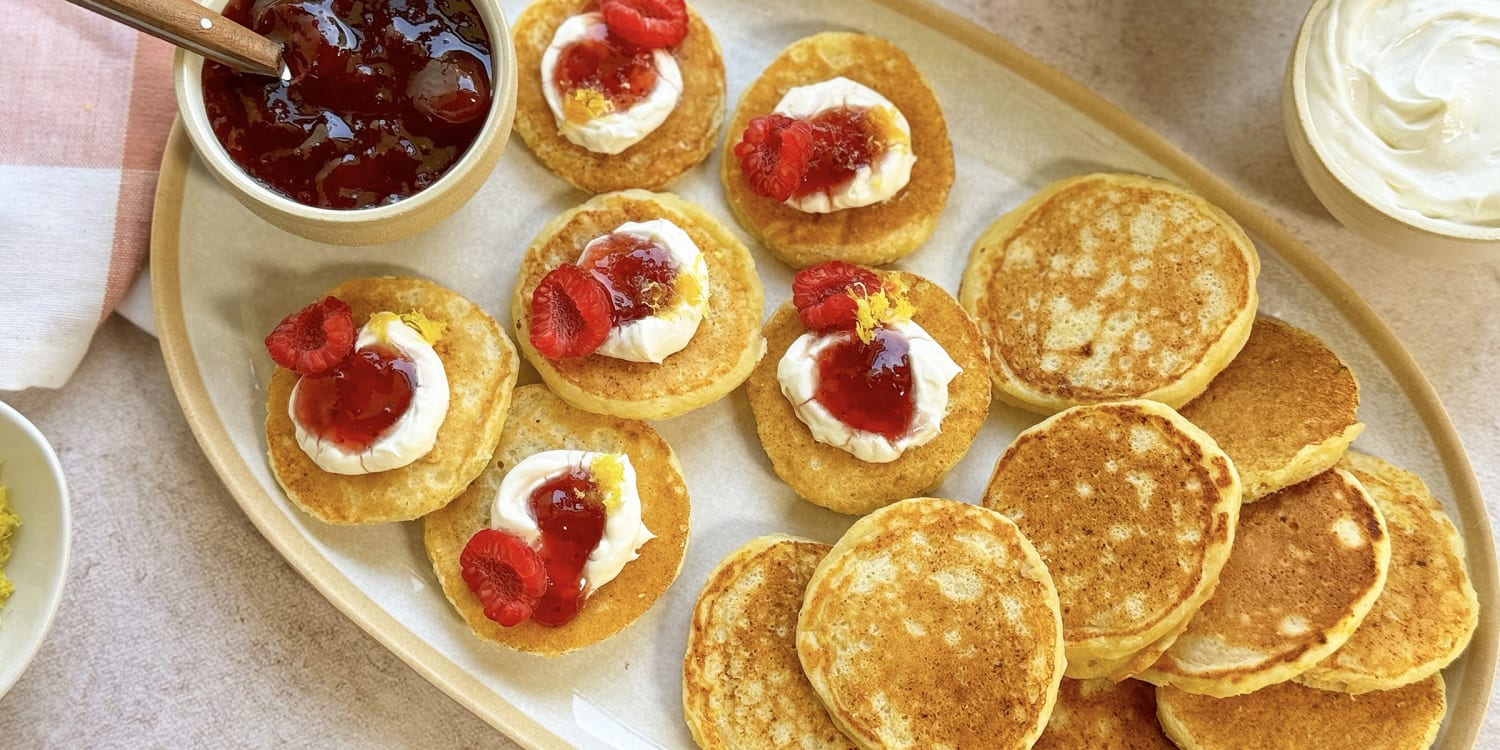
391,115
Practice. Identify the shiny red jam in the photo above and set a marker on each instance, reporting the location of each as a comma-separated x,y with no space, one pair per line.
355,404
638,272
571,517
623,72
868,386
844,140
385,96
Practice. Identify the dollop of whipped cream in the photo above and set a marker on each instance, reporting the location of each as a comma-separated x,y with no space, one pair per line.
931,372
656,337
624,530
872,183
414,433
1405,97
609,132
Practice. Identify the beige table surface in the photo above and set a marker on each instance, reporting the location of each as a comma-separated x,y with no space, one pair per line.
182,627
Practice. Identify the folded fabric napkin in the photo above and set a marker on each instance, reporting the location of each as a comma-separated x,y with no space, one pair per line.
85,107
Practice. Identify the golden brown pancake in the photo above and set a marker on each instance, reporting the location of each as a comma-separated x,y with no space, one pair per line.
1284,409
1104,715
1426,613
868,235
481,367
1289,715
683,140
540,421
742,685
717,359
829,476
933,623
1133,509
1307,565
1107,287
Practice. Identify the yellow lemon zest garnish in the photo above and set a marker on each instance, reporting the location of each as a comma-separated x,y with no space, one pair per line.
609,476
430,330
379,325
887,306
689,289
884,120
582,105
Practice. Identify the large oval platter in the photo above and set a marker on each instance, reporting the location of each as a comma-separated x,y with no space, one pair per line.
222,279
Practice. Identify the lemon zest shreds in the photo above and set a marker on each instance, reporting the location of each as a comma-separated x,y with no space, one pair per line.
609,476
380,325
431,330
885,307
582,105
884,120
689,289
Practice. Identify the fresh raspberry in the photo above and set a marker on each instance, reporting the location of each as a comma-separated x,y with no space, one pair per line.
506,575
774,154
647,23
821,294
570,313
315,339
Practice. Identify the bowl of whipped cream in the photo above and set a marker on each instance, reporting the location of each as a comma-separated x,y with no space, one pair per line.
1392,111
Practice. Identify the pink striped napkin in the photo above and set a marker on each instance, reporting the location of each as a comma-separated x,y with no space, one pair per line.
85,108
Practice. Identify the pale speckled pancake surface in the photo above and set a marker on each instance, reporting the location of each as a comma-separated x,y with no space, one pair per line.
1100,714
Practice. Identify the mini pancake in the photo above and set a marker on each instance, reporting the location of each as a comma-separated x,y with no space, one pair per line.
683,140
829,476
1284,409
1107,287
481,366
540,421
1307,565
1293,716
1133,509
933,623
869,235
717,359
1104,715
742,685
1427,612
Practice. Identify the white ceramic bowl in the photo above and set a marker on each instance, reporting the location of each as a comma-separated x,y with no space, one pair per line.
361,226
39,550
1352,205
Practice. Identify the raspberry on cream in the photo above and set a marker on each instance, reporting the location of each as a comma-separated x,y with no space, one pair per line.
609,114
872,182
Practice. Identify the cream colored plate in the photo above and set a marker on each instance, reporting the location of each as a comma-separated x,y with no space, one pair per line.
223,278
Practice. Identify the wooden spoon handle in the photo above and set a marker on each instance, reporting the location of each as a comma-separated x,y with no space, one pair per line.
196,28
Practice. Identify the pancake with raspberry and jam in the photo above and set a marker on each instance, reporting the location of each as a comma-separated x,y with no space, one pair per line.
875,386
638,305
617,94
388,400
513,551
839,151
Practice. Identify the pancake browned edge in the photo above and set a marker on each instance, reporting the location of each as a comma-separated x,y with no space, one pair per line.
720,355
684,139
1284,409
1107,287
933,623
1104,715
1428,610
540,421
742,685
1307,565
832,477
1286,716
481,367
1133,509
868,235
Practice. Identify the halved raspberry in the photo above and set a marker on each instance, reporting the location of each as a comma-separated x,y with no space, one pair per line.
570,313
313,340
821,294
647,23
774,154
506,575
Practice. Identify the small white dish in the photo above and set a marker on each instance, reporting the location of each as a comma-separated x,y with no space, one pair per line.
39,550
1350,203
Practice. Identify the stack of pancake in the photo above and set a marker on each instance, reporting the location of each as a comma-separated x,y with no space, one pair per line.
1188,537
